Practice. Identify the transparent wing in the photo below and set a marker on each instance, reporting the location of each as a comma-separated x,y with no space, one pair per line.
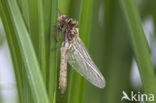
80,60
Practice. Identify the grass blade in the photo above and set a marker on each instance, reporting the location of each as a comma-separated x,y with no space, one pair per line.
77,92
28,55
140,46
14,48
33,26
52,57
42,38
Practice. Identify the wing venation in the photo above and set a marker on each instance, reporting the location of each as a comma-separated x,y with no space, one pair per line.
80,60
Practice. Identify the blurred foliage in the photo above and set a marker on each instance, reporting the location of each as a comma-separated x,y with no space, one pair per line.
1,40
1,98
140,46
115,55
147,8
104,30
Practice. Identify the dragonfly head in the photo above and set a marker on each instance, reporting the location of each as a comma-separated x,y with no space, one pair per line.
72,23
67,26
62,21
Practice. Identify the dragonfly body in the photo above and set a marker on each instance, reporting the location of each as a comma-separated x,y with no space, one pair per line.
63,67
66,46
74,52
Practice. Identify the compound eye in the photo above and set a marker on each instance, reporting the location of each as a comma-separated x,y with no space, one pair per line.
72,22
64,17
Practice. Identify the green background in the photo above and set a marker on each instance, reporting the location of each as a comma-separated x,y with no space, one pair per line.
112,32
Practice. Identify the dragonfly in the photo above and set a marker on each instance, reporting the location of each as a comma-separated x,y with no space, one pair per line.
74,52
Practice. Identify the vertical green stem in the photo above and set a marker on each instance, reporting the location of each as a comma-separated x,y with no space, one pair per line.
25,12
140,46
52,59
27,53
85,21
78,87
14,48
33,24
47,26
42,37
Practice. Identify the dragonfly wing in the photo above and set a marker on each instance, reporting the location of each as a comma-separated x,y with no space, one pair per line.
80,60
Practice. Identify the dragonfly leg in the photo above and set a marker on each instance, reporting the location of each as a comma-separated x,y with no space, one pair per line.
64,35
56,34
54,49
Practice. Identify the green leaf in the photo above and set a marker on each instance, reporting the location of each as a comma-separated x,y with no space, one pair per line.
52,87
78,87
140,45
14,48
28,54
42,39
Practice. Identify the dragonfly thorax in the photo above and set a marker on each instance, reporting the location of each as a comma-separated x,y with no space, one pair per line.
65,22
72,35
